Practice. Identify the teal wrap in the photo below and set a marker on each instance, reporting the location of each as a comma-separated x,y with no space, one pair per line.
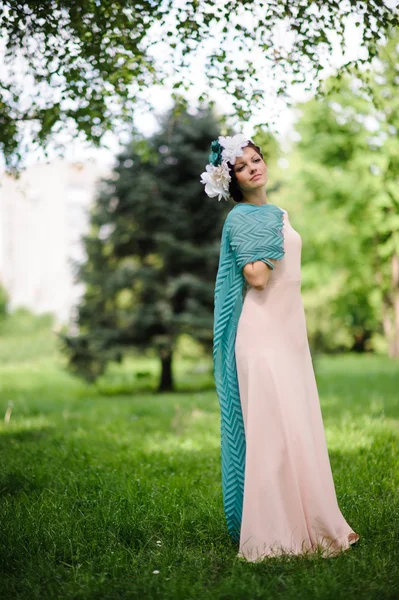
250,232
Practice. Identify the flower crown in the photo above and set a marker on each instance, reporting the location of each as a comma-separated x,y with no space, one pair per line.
217,177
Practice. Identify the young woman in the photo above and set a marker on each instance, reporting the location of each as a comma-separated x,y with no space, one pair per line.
278,490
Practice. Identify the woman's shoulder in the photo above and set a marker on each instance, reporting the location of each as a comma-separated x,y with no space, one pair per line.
244,211
244,218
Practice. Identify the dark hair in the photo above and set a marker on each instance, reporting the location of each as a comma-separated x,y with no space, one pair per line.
234,188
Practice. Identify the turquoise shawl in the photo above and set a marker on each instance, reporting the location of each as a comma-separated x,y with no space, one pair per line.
250,232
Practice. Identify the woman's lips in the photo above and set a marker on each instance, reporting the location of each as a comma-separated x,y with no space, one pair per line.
256,176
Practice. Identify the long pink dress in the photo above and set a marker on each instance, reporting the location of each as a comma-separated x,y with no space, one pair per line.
290,504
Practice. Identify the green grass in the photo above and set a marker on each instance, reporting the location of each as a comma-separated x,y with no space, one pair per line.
102,485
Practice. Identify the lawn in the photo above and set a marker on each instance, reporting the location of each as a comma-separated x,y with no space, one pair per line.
111,491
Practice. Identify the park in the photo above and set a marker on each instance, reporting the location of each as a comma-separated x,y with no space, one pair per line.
110,484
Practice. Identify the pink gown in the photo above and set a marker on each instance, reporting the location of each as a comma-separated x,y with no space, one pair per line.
290,504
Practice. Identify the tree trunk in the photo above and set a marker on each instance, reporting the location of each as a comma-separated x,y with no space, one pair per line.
390,311
395,302
386,323
360,341
166,383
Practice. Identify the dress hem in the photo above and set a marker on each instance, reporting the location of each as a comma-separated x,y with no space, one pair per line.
319,549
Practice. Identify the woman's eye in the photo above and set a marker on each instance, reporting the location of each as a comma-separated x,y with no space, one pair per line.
241,168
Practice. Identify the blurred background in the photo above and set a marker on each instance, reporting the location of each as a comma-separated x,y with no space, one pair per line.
118,244
109,249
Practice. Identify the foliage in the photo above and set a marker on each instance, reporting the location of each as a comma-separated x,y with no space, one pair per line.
90,60
21,325
152,252
346,182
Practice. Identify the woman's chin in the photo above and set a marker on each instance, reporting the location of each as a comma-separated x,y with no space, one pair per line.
258,183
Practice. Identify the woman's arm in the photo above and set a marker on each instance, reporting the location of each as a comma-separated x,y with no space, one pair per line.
257,273
256,243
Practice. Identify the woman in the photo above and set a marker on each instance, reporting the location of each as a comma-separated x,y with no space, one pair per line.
278,491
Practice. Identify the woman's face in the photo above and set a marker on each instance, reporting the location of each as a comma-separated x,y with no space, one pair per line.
250,170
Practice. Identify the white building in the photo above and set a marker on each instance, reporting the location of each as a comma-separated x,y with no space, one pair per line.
43,216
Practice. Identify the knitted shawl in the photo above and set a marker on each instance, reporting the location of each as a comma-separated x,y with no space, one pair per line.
250,232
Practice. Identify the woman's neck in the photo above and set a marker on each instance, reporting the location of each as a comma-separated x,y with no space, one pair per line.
257,196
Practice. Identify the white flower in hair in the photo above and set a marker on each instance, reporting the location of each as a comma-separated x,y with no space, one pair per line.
216,180
232,146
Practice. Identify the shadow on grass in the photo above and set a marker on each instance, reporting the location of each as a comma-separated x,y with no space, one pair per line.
107,513
121,498
14,483
132,389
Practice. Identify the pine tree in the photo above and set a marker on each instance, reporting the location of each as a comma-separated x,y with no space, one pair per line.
152,251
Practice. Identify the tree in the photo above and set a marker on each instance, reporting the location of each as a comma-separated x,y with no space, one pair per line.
349,171
91,59
4,300
152,252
